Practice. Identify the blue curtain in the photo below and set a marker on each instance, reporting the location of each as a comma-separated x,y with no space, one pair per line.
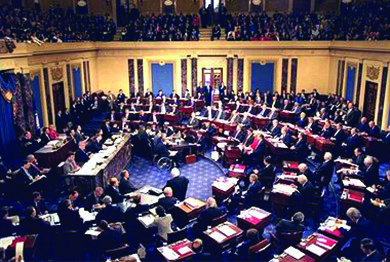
37,102
77,82
350,85
263,77
162,78
8,148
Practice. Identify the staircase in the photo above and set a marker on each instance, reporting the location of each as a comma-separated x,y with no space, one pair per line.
205,34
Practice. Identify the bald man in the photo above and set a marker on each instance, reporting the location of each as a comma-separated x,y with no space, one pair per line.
179,184
168,201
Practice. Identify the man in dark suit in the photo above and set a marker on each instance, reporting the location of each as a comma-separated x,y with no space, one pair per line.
6,226
327,130
107,130
368,247
253,237
109,213
239,134
374,130
300,147
109,238
121,97
81,155
358,158
32,224
285,136
39,204
274,128
350,116
304,170
339,136
363,125
179,184
305,191
200,255
69,217
291,226
371,174
352,142
94,201
79,136
325,172
211,212
112,190
133,212
168,201
252,193
60,124
125,185
45,137
267,172
193,122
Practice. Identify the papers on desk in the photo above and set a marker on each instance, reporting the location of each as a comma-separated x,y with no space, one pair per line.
217,236
295,253
147,220
318,251
331,224
19,247
226,230
257,214
370,189
224,186
53,142
93,232
281,145
184,250
283,189
192,202
5,242
87,216
353,182
169,254
345,161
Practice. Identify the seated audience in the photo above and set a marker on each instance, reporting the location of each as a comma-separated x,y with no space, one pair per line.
94,201
291,226
125,186
109,212
109,238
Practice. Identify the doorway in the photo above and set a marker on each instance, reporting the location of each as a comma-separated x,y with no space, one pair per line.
370,100
212,76
59,96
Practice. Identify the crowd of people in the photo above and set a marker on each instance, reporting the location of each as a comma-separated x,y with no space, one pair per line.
359,21
54,25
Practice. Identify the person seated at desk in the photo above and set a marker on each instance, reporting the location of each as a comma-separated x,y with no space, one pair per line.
285,136
94,201
382,191
251,194
29,145
69,216
107,130
302,121
125,185
274,114
179,184
238,135
275,102
300,146
234,118
374,130
109,238
220,114
34,166
324,173
45,137
168,201
39,204
371,173
286,105
200,254
193,122
6,226
96,143
32,181
207,216
274,129
264,112
304,170
339,136
163,222
363,125
358,158
371,254
109,212
296,109
305,190
245,121
70,166
361,228
133,212
33,224
81,155
352,142
323,114
327,130
253,237
113,116
312,126
251,109
79,136
256,150
291,226
112,190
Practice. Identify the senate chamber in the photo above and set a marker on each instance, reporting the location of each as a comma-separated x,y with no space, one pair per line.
195,130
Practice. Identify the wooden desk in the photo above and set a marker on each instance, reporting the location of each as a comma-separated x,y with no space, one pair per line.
223,236
187,210
354,183
253,217
223,187
351,198
284,257
175,251
290,166
287,116
260,122
49,157
331,228
237,170
325,246
278,148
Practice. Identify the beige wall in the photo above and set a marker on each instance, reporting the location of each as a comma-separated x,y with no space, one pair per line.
317,61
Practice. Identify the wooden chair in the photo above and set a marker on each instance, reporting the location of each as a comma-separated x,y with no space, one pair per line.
117,252
219,220
284,240
177,235
261,251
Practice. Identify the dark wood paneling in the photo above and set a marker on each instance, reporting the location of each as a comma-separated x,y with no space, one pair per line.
276,5
359,84
382,95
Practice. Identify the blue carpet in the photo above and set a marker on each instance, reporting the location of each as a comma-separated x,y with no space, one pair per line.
201,175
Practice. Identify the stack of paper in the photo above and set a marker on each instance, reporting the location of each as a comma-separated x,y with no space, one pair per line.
283,189
6,241
184,250
295,253
169,254
226,230
217,236
316,250
93,232
192,202
147,220
257,214
87,216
